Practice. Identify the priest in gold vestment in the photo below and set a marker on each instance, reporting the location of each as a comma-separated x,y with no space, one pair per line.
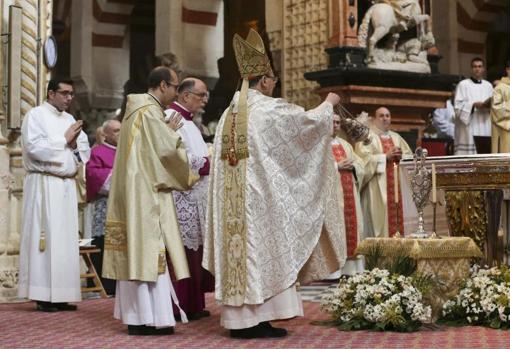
274,200
141,223
500,114
377,192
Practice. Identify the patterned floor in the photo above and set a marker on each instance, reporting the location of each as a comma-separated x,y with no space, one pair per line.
92,326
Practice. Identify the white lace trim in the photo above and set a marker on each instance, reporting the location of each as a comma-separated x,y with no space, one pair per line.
191,210
196,162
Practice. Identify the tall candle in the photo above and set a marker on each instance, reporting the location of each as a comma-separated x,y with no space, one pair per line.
434,193
395,181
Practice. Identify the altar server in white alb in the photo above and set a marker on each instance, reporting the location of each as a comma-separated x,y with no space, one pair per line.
53,146
472,113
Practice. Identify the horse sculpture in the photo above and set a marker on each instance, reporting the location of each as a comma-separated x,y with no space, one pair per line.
390,17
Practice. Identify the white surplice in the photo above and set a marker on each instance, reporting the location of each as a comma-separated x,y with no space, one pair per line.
191,205
50,204
471,121
145,303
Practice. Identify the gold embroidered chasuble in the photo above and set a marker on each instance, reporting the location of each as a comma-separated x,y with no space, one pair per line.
500,116
274,217
141,220
373,192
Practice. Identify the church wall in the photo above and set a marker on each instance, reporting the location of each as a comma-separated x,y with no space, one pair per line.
304,38
36,26
461,28
192,32
274,28
99,58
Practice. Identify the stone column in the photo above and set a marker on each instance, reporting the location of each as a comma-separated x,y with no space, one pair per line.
189,34
445,29
36,25
169,34
8,272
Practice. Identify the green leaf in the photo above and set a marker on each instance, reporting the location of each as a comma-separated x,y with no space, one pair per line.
495,323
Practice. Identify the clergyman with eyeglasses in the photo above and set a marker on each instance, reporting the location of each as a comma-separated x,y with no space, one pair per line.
141,222
53,146
192,97
275,201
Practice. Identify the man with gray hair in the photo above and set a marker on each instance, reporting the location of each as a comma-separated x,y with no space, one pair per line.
98,174
190,205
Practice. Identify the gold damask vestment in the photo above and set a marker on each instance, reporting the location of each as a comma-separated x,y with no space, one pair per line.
150,162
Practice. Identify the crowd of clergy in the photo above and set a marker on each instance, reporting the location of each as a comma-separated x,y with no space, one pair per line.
281,197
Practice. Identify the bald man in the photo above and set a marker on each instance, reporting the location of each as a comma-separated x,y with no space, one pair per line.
192,96
377,192
99,172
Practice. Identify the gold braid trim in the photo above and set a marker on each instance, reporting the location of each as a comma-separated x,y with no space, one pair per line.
115,236
451,247
251,56
233,266
162,262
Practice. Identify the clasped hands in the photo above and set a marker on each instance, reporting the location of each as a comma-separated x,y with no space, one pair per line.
345,165
72,133
394,155
483,104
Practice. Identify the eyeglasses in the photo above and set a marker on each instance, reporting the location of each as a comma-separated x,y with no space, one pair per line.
274,78
66,93
169,83
200,95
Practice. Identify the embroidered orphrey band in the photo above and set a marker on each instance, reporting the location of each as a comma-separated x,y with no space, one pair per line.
234,235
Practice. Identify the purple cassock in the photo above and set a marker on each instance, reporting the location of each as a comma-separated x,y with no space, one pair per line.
97,172
98,169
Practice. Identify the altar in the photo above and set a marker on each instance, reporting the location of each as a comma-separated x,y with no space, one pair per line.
472,200
447,260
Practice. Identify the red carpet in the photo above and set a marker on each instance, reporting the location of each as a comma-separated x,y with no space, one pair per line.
93,326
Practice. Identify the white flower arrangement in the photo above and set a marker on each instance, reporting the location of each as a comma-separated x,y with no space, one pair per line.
484,299
376,300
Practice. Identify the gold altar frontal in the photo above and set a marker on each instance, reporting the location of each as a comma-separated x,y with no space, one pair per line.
476,198
445,259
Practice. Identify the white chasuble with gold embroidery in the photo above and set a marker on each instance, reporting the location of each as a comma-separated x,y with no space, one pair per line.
150,163
273,218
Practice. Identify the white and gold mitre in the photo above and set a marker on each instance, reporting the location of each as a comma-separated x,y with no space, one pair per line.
251,56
